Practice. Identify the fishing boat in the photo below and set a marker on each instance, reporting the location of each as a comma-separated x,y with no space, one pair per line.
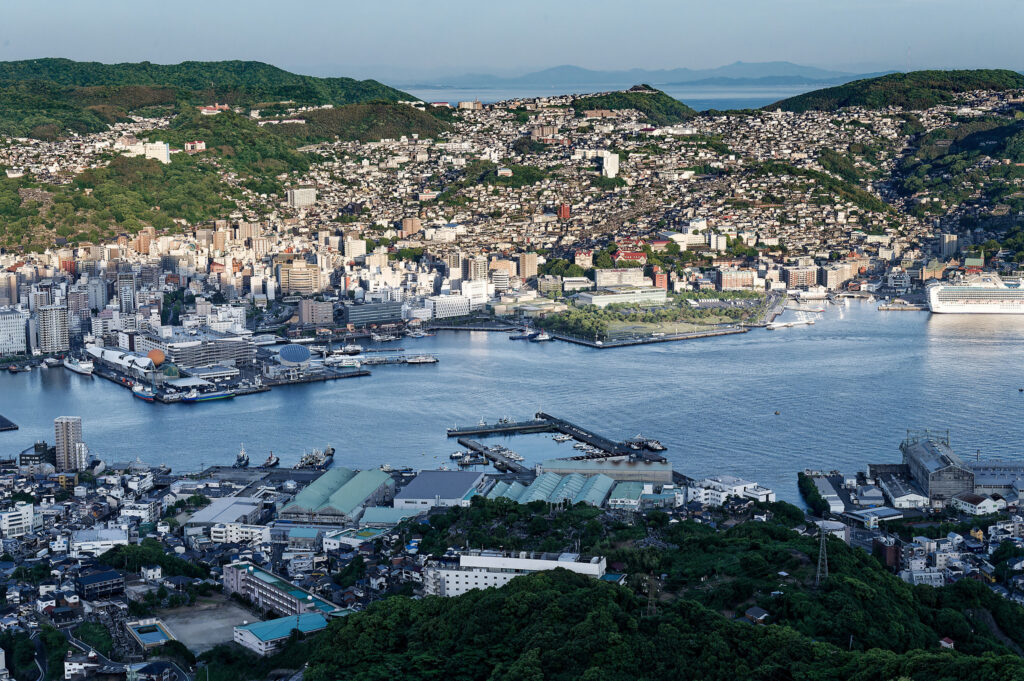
196,396
540,337
242,460
85,368
271,461
143,393
317,459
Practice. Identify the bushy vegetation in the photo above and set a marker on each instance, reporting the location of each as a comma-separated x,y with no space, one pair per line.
97,636
133,556
20,653
658,107
914,90
363,122
812,497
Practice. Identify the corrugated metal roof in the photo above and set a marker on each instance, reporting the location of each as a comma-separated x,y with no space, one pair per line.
319,491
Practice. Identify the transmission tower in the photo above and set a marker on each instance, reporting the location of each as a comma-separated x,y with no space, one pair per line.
652,596
822,575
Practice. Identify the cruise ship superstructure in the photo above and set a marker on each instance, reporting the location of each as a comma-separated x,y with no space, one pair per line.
977,294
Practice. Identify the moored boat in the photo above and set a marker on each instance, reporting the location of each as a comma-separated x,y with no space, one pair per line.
196,396
143,393
79,367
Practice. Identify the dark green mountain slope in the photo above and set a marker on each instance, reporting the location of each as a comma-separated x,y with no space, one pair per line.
914,90
658,107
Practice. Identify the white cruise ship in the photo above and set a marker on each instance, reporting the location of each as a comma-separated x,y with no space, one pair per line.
977,294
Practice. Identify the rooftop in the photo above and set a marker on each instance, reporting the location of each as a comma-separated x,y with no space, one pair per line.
441,485
282,627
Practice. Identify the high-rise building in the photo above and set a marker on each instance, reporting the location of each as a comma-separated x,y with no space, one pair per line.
475,269
68,433
8,288
411,226
97,288
299,277
564,212
454,263
315,312
12,333
527,265
301,198
53,329
126,292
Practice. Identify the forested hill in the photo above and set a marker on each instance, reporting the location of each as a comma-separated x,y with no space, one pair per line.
236,82
914,90
655,105
50,98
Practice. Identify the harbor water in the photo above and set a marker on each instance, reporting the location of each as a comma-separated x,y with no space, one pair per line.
846,389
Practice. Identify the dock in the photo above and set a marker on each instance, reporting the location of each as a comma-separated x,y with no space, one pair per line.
7,424
399,359
500,461
647,340
546,423
903,307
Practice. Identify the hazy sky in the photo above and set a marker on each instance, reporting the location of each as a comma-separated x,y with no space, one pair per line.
406,39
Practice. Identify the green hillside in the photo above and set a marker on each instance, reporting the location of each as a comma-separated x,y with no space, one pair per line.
364,122
914,90
48,98
655,105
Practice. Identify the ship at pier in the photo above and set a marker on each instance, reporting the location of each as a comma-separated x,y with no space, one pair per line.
977,294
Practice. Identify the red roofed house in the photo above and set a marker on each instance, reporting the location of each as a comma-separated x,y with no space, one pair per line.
631,256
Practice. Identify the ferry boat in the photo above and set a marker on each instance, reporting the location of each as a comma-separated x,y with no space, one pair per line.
977,294
196,396
540,337
349,349
421,359
143,393
342,362
242,460
85,368
271,461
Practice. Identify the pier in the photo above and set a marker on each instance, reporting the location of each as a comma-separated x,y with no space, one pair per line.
500,461
399,359
546,423
7,424
647,340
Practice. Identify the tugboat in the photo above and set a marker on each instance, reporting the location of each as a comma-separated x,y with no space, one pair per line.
242,460
271,461
540,337
143,393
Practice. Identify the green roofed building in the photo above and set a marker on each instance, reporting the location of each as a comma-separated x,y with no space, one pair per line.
266,638
339,496
553,488
268,591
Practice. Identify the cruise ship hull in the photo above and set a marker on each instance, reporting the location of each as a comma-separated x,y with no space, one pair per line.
985,294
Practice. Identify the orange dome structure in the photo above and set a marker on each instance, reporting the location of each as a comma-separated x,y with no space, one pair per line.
157,356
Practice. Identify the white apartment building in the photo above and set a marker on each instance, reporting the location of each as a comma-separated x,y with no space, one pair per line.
12,333
714,490
53,329
238,533
486,569
68,434
18,521
301,198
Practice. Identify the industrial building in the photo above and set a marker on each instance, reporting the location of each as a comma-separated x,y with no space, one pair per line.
339,496
553,488
440,488
456,575
616,468
933,465
225,510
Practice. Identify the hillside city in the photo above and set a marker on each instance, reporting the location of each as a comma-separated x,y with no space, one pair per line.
543,219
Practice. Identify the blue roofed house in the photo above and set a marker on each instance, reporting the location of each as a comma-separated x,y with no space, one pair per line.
266,638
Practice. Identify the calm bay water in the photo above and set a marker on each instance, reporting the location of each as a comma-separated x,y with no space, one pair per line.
846,388
700,97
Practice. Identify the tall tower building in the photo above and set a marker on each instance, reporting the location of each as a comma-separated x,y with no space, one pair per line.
53,329
527,265
126,292
68,433
475,269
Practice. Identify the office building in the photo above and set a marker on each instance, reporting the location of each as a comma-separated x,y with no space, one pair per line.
17,522
454,576
314,312
53,329
197,348
624,276
68,433
443,307
301,198
299,277
474,269
365,314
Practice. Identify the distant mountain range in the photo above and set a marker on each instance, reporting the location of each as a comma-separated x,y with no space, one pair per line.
735,74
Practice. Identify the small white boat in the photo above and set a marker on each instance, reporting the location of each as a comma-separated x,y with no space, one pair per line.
85,368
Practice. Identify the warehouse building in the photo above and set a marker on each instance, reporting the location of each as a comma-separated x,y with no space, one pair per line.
935,468
616,468
339,496
553,488
440,488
